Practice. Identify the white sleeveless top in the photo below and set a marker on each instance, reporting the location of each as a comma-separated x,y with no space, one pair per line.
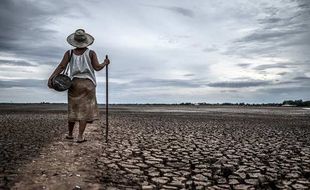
80,67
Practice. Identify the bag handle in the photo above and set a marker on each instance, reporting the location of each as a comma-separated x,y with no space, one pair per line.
65,72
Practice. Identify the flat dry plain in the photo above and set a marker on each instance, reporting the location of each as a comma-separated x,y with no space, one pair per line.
157,147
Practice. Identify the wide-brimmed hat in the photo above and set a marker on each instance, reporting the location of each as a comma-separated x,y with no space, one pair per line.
80,39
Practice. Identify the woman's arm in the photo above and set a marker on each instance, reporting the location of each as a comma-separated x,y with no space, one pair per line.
62,65
95,63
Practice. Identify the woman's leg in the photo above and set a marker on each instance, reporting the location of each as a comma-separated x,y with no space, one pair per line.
82,126
70,128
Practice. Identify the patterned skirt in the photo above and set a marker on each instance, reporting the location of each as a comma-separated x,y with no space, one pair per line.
82,102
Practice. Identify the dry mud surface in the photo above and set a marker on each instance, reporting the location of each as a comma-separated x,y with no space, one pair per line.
157,148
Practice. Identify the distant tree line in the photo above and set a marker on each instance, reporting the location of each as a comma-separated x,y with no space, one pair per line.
298,103
232,104
241,104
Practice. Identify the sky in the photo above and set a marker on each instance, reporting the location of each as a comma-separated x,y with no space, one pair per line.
164,51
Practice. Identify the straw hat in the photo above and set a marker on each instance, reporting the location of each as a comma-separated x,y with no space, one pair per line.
80,39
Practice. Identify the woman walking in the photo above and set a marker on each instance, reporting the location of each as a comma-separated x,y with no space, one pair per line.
83,62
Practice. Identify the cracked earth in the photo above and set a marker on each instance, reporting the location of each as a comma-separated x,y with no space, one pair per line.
265,148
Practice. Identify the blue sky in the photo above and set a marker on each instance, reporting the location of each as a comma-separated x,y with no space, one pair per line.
165,51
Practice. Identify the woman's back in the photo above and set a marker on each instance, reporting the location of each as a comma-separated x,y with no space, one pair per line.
80,66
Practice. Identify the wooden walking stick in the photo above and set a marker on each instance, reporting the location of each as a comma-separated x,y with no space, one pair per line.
107,101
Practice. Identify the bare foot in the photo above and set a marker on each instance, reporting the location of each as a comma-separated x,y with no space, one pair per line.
81,139
69,137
